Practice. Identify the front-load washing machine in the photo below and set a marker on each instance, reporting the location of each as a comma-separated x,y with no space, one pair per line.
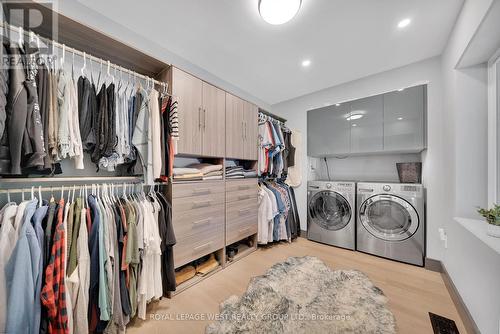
391,221
331,215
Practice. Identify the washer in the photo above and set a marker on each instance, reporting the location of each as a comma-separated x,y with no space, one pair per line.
331,218
391,221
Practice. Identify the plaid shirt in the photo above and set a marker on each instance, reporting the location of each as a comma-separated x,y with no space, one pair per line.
53,293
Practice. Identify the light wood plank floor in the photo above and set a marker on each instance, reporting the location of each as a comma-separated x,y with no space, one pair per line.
412,291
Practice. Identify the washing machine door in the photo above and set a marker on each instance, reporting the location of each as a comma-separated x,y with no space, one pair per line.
389,217
330,210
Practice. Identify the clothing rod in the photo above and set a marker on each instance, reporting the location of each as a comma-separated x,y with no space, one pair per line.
70,187
83,54
267,113
102,179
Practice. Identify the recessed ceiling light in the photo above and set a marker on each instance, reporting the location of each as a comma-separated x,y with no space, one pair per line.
401,89
353,117
306,63
404,23
354,124
278,11
400,118
338,104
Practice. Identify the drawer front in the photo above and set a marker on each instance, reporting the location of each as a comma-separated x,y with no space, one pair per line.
197,222
196,203
242,195
241,220
196,189
193,247
241,228
239,185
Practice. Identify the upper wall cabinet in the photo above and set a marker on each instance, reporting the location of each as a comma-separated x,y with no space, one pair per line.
241,128
329,130
392,122
367,125
201,115
404,120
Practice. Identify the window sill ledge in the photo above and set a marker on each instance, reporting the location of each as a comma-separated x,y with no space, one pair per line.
478,229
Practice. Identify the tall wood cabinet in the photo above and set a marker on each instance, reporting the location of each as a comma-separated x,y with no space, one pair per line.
201,115
242,128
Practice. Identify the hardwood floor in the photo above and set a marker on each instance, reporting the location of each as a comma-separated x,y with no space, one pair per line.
412,291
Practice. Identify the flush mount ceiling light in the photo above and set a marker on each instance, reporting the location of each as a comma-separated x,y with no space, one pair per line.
306,63
278,11
353,117
404,23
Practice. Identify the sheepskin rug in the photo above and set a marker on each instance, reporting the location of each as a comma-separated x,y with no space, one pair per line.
303,295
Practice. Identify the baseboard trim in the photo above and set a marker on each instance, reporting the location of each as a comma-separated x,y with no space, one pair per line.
433,265
463,311
303,234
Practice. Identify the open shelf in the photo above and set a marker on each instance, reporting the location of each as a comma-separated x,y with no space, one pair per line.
198,277
243,249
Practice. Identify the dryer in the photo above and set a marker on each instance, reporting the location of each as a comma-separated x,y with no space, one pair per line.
391,221
331,215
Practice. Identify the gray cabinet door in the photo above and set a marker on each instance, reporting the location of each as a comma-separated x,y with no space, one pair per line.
367,125
328,131
404,120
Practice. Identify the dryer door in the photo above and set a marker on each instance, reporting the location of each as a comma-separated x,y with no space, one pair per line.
330,210
389,217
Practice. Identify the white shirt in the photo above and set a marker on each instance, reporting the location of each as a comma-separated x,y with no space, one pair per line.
264,216
8,239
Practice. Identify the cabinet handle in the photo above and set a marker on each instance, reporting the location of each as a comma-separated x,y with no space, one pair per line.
199,117
242,131
201,247
201,204
202,222
204,119
246,126
202,191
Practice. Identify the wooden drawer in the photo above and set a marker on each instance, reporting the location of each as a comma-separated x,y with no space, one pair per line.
198,221
196,189
241,228
241,220
193,247
239,185
242,195
194,203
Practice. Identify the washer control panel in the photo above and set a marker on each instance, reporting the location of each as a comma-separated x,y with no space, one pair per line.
387,187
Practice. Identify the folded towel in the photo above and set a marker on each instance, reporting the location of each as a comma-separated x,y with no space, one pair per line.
216,173
206,168
250,173
189,177
235,177
185,170
214,177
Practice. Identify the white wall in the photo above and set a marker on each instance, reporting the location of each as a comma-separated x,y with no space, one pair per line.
363,168
473,267
81,13
428,71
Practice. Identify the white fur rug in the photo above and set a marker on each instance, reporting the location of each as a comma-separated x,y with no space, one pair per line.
303,295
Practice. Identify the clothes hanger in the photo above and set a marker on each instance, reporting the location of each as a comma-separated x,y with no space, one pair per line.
63,57
62,192
8,195
20,41
84,64
40,196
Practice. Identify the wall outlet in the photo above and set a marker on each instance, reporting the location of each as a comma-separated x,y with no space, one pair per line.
443,236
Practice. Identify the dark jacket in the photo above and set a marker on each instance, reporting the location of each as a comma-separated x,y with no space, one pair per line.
4,137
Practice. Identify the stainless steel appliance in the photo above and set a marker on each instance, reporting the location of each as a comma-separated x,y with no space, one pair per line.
331,217
391,221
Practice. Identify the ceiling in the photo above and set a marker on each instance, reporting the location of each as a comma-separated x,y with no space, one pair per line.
344,39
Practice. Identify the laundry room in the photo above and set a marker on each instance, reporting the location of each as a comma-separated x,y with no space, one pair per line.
250,166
